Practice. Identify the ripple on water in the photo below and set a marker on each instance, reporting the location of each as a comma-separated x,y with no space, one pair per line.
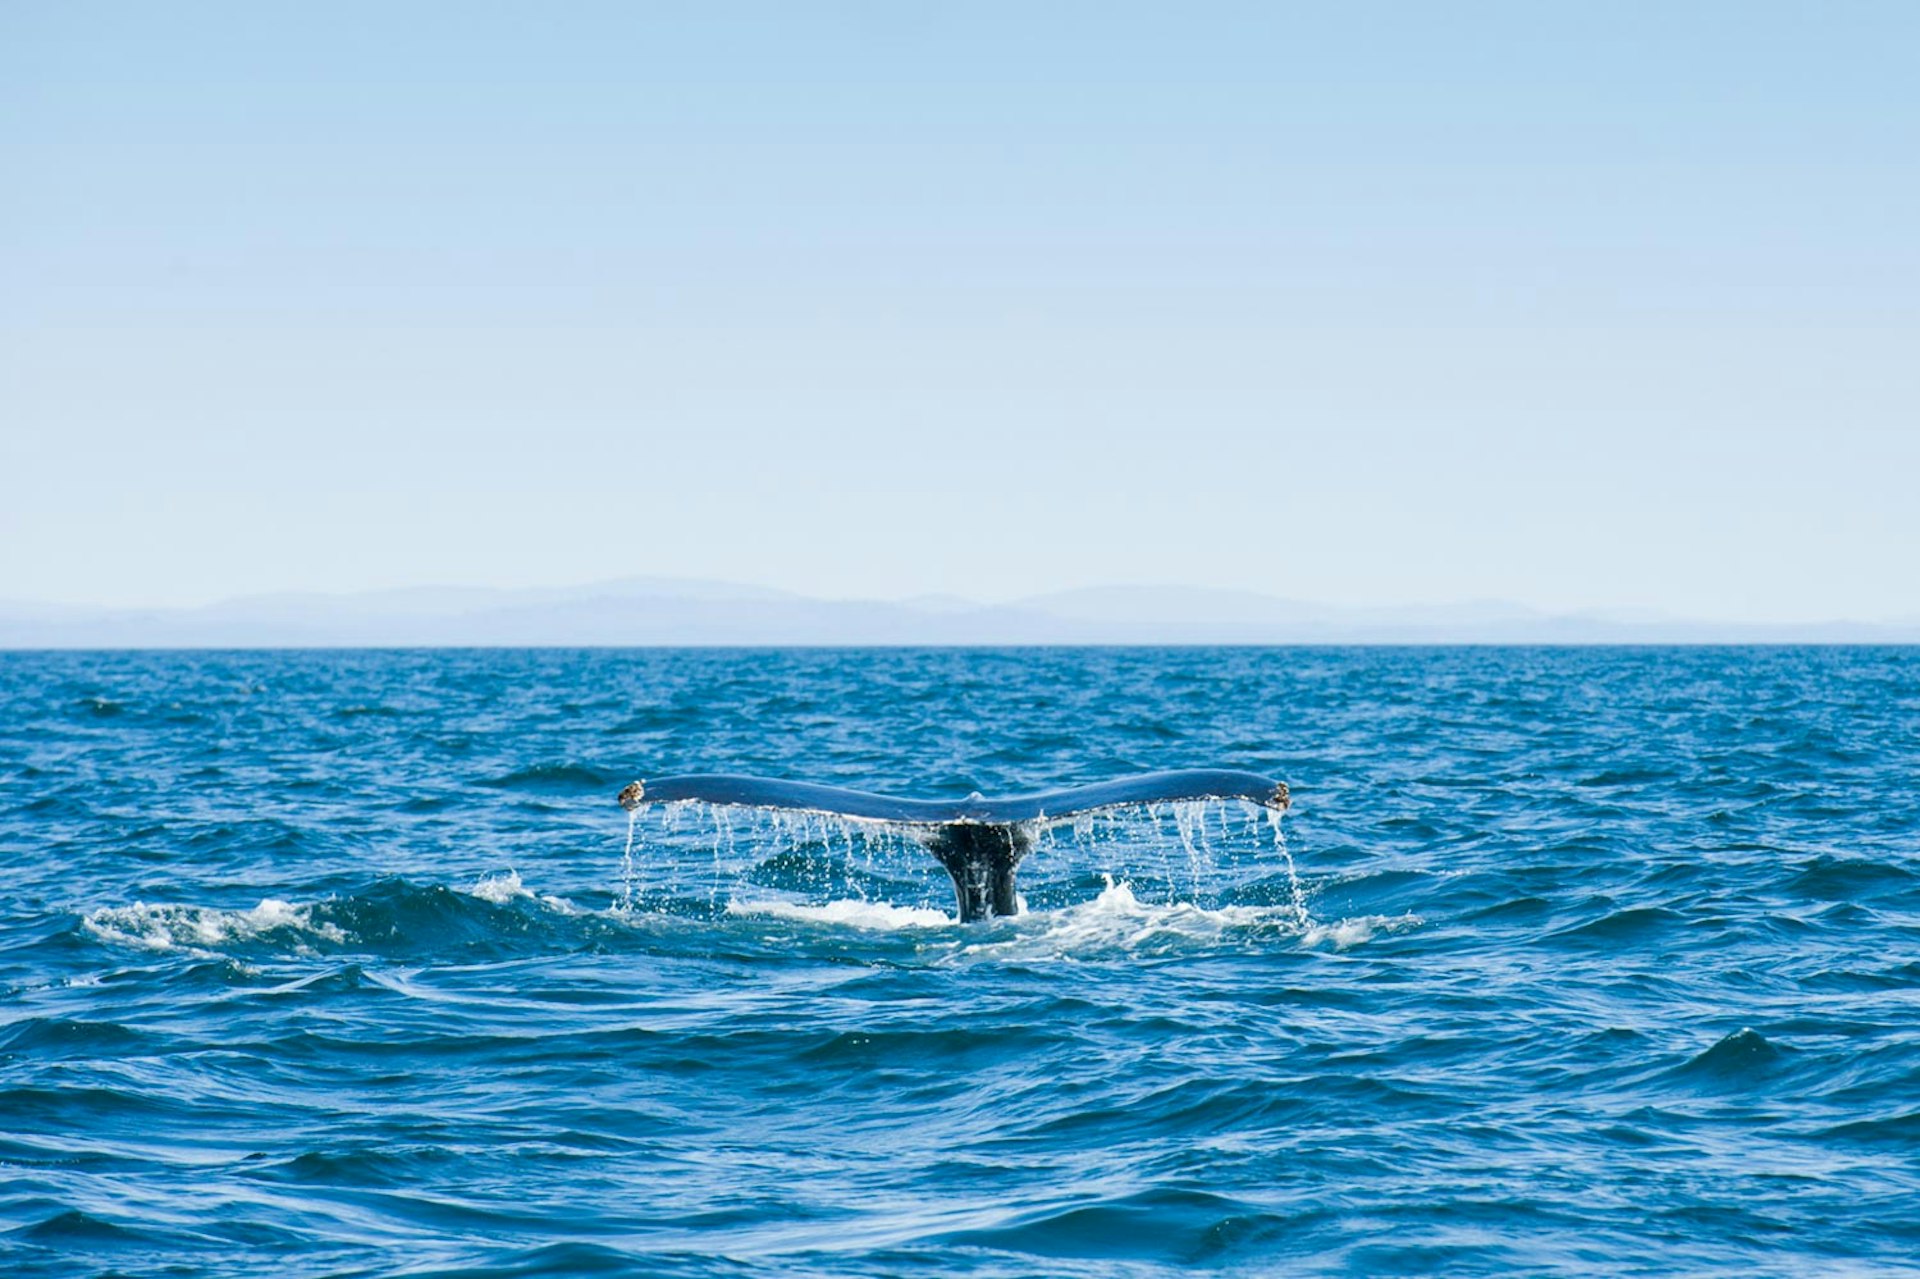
327,963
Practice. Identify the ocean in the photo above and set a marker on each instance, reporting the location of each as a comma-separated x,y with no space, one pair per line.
1564,961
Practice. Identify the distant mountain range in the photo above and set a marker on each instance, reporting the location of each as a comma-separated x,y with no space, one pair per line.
670,611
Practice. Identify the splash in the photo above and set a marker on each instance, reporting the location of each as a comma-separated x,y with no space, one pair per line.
875,916
1343,934
202,929
377,917
507,887
682,852
1118,922
397,918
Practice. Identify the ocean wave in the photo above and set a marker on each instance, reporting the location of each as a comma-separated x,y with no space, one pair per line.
390,916
205,929
1115,920
499,912
1118,921
850,913
306,1031
1170,1225
73,1227
552,778
1741,1059
61,1037
506,886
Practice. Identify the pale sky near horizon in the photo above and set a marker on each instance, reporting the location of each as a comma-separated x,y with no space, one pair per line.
1573,305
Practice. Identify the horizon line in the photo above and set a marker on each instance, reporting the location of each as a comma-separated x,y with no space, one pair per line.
1611,615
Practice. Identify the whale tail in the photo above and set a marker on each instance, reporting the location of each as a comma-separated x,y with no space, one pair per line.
980,841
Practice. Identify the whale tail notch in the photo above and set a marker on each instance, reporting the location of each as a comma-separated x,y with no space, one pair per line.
979,841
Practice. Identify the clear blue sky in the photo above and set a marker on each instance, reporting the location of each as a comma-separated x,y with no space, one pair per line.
1577,305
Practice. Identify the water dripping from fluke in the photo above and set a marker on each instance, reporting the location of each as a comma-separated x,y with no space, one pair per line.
980,842
626,858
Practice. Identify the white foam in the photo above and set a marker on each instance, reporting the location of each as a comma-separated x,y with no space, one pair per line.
1114,921
1353,932
199,930
504,888
167,927
1118,921
500,889
878,916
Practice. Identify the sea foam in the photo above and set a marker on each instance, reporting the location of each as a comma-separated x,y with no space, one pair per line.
170,926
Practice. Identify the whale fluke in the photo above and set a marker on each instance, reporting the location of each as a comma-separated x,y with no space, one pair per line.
979,840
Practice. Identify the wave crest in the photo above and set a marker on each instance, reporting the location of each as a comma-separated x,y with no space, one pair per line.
1118,921
165,926
876,916
501,913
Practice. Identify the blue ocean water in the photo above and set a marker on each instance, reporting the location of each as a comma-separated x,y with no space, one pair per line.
337,963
